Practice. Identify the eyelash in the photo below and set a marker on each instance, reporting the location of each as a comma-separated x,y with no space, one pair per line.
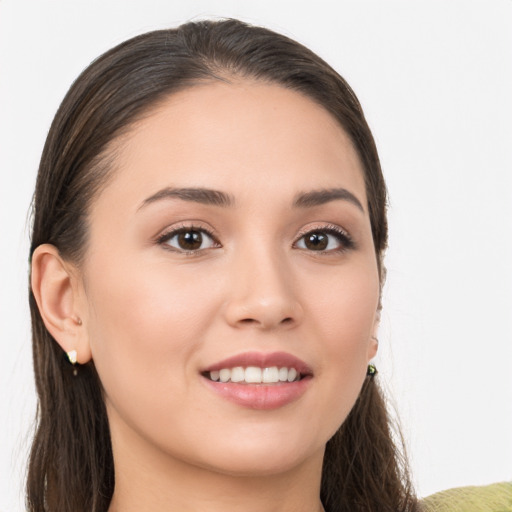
344,239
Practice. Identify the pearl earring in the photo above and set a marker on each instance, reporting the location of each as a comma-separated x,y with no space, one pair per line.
72,359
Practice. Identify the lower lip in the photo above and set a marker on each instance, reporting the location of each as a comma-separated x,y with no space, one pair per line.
260,396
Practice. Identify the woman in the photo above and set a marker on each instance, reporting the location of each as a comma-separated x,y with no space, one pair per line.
209,226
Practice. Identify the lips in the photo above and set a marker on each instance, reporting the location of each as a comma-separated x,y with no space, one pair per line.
259,381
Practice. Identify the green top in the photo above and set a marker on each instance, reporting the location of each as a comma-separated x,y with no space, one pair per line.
489,498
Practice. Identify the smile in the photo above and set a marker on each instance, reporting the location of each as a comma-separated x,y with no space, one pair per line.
255,375
256,380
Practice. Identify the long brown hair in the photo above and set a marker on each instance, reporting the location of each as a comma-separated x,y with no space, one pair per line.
71,466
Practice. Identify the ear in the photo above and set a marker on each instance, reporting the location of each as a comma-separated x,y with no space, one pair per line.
373,345
57,289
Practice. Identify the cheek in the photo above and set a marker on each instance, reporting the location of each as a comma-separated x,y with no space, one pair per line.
144,327
344,313
344,309
138,297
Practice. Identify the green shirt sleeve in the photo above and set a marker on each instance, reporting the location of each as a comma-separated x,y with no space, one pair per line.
489,498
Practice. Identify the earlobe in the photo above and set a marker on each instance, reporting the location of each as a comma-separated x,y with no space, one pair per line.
374,339
56,288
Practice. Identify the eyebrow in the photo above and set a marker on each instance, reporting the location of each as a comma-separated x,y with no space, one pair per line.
196,195
319,197
217,198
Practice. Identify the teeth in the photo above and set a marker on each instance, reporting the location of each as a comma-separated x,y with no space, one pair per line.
271,374
224,375
237,374
292,374
255,375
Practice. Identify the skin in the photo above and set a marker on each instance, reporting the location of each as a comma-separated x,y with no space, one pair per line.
153,316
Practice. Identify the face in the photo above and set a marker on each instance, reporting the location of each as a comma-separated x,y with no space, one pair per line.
230,285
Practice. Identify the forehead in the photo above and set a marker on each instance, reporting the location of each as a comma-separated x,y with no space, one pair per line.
249,137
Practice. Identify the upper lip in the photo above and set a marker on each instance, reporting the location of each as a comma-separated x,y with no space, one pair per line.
262,360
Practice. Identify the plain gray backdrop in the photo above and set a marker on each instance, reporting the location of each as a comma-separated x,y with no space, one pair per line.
435,80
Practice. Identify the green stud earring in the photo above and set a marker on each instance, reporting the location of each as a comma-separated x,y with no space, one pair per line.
372,370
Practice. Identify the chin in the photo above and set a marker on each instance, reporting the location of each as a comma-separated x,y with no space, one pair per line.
262,464
262,456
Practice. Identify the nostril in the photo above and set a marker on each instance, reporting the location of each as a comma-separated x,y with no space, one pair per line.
252,321
248,321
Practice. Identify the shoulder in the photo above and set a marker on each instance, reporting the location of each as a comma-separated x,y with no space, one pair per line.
488,498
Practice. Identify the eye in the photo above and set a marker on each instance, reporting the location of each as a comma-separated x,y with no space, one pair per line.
328,239
188,239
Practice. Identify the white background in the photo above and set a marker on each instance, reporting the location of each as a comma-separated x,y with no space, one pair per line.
435,79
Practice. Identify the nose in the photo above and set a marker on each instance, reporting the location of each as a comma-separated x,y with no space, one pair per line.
263,293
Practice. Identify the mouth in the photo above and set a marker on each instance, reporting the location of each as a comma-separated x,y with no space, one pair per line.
259,381
255,375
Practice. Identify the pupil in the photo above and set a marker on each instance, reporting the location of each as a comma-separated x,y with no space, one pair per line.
190,240
316,241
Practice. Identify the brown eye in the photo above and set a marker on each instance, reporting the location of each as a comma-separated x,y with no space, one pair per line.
316,241
189,240
328,240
